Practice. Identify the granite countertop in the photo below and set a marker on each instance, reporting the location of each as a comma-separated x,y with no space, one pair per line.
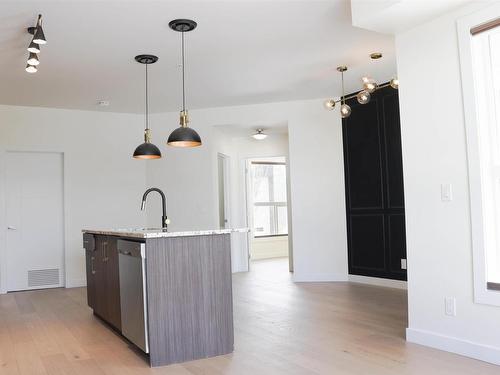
159,232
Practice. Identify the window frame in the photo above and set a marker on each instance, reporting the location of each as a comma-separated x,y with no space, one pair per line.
269,204
484,292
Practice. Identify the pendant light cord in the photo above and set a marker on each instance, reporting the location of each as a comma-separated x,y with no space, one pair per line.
147,101
183,77
343,91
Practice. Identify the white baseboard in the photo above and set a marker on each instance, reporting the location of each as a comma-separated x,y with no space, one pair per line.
76,283
317,277
237,268
466,348
397,284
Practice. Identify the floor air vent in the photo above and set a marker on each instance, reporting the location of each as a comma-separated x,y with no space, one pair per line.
43,277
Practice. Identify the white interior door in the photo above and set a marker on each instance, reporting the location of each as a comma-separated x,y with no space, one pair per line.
34,218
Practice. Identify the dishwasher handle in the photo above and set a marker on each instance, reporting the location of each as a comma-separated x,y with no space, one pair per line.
132,249
125,252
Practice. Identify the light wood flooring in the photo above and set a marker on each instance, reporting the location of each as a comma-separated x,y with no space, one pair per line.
280,327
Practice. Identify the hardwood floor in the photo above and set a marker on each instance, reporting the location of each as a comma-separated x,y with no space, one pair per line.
280,328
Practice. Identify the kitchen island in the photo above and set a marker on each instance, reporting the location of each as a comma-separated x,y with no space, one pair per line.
169,293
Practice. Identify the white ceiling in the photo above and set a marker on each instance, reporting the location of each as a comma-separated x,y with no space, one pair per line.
247,129
242,52
394,16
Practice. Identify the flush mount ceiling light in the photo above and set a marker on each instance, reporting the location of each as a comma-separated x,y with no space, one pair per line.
183,136
34,46
363,96
147,150
259,135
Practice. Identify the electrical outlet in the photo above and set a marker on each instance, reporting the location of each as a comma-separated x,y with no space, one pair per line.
450,306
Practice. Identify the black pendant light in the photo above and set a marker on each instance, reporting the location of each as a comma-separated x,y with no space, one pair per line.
147,150
183,136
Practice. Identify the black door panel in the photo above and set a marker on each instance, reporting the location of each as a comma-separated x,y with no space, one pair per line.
374,187
367,242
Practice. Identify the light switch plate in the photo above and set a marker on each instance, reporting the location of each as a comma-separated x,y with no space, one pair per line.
403,264
450,306
446,192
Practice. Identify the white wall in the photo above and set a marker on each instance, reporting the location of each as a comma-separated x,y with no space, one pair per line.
103,184
316,179
439,233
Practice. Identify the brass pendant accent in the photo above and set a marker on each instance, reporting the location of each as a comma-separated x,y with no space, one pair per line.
184,119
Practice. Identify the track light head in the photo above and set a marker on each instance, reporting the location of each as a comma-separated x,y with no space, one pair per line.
31,68
33,59
37,32
33,47
39,36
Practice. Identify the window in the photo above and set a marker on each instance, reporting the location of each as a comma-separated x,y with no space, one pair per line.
479,42
270,216
486,71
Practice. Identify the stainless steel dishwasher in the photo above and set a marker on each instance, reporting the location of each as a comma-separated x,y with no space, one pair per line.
132,268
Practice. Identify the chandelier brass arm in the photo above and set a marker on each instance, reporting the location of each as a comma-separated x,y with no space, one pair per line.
387,84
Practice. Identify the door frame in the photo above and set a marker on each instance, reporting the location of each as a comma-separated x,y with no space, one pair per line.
226,162
3,218
249,201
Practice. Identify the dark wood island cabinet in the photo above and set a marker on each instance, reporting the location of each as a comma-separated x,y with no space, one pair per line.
187,310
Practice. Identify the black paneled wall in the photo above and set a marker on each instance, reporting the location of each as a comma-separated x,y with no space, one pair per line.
374,187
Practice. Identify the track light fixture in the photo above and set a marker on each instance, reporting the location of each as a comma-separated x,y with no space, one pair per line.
363,96
183,136
34,46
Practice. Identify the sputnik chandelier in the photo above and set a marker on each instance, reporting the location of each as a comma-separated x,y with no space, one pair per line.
34,47
363,96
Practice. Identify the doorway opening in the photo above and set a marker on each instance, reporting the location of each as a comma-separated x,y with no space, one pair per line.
253,192
267,208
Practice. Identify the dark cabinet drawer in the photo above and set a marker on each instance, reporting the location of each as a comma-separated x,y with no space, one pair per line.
89,242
